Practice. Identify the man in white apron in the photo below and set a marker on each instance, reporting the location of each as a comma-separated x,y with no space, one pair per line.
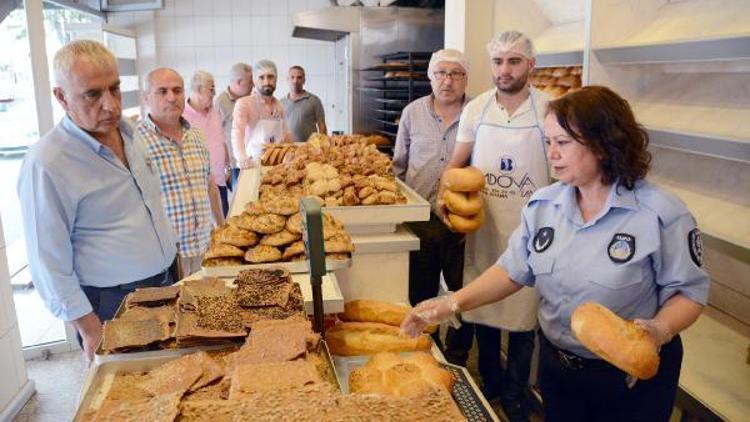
258,118
500,133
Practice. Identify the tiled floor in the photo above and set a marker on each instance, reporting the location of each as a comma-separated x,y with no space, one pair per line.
58,382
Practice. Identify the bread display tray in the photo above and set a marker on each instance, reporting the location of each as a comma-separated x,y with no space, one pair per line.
294,267
101,375
465,392
415,208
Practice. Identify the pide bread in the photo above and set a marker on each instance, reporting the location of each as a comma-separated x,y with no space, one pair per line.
621,343
367,338
462,203
467,179
377,311
463,224
406,376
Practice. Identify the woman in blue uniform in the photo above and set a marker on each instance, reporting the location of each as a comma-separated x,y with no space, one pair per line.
601,234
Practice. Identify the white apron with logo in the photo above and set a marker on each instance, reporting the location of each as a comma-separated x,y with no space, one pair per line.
267,130
514,164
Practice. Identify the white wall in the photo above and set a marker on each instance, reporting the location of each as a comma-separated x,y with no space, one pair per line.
15,387
212,35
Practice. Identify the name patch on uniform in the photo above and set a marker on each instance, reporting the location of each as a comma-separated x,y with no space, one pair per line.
622,248
543,239
695,243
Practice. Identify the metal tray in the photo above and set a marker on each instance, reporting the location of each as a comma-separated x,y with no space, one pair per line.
465,392
100,376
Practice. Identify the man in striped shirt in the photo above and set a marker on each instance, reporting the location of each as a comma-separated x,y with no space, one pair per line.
179,155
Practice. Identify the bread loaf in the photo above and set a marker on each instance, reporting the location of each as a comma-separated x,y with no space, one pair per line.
377,311
467,179
390,374
621,343
463,224
465,204
367,338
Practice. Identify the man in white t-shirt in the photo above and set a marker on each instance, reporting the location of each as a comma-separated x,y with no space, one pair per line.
500,133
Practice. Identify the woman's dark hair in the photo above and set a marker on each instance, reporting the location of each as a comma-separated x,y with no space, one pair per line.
603,121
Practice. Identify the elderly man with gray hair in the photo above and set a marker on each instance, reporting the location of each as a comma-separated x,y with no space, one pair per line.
424,143
201,114
258,118
177,152
240,85
93,219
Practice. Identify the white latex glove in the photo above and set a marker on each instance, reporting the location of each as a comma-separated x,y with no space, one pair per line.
659,331
432,311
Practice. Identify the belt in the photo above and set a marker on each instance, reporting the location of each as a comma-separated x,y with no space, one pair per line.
571,361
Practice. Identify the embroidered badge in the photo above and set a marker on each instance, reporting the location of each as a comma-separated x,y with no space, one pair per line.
543,239
695,243
622,248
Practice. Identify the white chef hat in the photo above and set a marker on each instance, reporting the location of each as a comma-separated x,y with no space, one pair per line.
511,41
447,55
265,66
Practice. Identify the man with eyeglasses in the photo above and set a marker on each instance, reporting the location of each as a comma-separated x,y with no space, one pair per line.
424,144
501,134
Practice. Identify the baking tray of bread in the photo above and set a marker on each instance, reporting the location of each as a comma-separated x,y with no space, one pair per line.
208,313
464,391
286,354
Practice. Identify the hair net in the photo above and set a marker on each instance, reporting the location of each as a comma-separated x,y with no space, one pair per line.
511,41
447,55
265,66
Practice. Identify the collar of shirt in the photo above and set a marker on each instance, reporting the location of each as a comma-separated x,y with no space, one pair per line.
522,109
126,130
430,103
231,96
619,197
190,109
305,95
149,122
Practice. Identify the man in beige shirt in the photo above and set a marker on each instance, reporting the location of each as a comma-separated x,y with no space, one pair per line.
240,85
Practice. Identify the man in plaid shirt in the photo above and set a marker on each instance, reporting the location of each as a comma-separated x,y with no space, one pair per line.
178,153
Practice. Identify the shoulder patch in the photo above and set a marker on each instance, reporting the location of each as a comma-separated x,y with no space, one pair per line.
695,245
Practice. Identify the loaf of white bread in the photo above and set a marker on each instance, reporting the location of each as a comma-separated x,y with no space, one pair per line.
377,311
368,338
406,376
619,342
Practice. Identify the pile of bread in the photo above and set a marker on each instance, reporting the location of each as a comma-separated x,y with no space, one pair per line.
371,327
557,81
270,230
462,198
274,154
339,170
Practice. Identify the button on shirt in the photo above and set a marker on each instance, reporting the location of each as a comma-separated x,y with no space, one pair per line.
647,231
209,123
302,115
88,219
184,172
423,147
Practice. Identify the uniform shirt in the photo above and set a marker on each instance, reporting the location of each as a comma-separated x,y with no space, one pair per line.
524,116
210,124
224,104
423,147
88,219
184,172
640,250
302,115
246,114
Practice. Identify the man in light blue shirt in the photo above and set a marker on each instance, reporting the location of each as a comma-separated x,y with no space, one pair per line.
95,227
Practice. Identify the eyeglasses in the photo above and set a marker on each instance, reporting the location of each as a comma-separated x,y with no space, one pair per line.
455,76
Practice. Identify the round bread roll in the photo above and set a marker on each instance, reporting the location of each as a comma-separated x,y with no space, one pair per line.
465,204
463,224
467,179
569,81
621,343
560,71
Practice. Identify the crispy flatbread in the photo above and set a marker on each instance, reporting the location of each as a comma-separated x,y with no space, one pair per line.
124,334
255,378
152,296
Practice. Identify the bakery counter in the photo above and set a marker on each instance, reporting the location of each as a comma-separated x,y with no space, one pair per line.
380,267
715,371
